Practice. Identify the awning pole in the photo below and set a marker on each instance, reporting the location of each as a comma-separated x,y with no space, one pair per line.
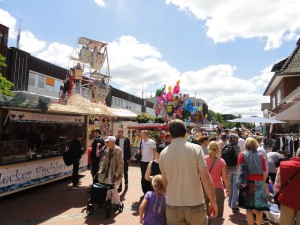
5,119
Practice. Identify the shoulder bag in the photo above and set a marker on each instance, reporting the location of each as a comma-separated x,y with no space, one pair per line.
242,175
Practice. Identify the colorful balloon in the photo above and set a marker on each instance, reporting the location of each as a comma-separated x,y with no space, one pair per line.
176,88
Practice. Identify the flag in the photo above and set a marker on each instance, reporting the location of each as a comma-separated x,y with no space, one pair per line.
19,36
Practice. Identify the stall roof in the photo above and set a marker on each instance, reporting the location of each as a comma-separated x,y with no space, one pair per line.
76,104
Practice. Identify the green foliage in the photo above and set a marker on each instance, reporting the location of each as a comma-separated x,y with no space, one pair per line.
218,117
159,119
5,85
145,118
211,114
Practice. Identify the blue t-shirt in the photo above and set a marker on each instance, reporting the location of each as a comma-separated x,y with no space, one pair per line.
155,209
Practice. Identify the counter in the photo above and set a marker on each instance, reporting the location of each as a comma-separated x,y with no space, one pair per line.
31,173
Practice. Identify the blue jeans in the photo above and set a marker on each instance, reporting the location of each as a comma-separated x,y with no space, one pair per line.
232,199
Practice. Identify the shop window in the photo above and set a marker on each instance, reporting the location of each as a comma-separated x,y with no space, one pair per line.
278,97
57,85
41,81
31,80
273,102
49,88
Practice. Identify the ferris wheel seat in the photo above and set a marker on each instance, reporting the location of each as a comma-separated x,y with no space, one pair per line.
78,74
99,76
97,61
84,55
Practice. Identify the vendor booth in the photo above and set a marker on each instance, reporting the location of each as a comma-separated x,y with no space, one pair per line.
36,131
32,144
156,132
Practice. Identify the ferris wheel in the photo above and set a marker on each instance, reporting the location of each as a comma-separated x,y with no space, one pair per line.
89,73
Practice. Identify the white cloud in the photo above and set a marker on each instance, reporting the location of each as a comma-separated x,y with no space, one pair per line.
135,64
29,43
277,21
224,91
9,21
56,53
263,79
101,3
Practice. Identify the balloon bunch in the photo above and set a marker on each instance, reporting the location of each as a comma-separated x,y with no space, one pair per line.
173,104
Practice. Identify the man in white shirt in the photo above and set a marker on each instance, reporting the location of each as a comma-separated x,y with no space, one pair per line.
147,150
241,144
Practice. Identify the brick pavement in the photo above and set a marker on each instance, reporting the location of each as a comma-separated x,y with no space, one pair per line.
56,203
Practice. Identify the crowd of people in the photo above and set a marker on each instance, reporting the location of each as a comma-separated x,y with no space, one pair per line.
186,177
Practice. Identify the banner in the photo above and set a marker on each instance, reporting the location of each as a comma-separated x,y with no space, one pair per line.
19,116
25,175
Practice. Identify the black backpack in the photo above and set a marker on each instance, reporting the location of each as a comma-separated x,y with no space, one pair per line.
230,155
68,157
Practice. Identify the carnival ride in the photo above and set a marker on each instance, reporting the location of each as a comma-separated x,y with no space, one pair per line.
85,75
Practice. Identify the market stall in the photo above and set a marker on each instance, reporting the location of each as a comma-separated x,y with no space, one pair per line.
31,147
156,132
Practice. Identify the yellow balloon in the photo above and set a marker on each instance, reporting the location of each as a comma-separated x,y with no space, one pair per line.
200,108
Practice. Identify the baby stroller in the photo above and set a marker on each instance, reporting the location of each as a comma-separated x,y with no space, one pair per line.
98,195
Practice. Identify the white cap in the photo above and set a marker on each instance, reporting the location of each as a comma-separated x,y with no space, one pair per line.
110,138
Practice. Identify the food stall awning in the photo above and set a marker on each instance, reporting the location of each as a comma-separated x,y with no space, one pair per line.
78,104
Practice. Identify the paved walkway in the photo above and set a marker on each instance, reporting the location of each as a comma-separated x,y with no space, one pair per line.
57,203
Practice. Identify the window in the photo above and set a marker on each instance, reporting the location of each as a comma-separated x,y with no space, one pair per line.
57,85
31,79
278,97
41,81
49,88
273,102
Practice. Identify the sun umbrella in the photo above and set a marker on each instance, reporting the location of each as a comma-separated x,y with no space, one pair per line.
255,119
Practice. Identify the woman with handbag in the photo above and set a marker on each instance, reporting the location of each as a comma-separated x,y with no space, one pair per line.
217,170
287,188
253,197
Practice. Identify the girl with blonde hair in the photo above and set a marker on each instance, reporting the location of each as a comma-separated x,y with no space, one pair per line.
153,206
217,169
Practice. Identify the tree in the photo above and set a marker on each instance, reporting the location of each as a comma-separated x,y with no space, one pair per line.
218,117
5,85
211,114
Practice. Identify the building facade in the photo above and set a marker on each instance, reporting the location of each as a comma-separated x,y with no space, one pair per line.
284,91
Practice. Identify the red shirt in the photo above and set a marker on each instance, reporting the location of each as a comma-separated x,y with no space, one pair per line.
253,177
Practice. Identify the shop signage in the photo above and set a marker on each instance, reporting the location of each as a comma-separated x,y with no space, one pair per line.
38,172
20,116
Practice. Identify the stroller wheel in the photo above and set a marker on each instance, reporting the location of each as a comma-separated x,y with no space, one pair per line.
107,214
121,207
90,209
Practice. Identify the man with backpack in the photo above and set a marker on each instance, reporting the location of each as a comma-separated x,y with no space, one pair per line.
230,153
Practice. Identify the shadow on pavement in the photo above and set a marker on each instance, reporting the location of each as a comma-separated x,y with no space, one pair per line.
135,208
237,218
41,207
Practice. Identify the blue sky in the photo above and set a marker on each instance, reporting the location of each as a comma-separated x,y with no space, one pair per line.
221,50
